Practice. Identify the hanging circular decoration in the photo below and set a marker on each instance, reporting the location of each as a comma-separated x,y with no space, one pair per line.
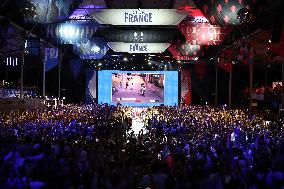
29,10
244,15
224,12
51,11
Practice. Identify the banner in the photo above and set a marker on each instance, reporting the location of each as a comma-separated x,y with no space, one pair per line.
185,87
139,16
12,93
138,47
203,33
32,46
226,60
51,58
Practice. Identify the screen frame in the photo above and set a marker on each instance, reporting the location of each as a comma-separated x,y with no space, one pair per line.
171,88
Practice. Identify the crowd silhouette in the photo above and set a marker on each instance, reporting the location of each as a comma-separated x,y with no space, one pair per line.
92,146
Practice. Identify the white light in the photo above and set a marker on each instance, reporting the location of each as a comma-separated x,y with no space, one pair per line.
96,49
16,61
71,31
196,58
10,62
125,59
7,62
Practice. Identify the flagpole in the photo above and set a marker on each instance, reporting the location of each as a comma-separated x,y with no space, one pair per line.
59,71
216,84
22,74
43,80
282,87
230,87
250,85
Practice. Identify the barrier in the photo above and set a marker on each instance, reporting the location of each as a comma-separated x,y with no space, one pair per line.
17,104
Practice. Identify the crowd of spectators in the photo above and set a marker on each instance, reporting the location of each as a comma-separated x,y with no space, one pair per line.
92,146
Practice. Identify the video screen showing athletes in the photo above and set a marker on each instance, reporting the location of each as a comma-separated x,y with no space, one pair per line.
138,87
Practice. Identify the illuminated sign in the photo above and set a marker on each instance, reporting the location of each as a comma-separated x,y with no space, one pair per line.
138,47
139,16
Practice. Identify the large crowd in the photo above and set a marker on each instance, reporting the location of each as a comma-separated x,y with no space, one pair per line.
92,147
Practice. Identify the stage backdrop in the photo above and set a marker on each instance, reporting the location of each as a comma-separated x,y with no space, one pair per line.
91,86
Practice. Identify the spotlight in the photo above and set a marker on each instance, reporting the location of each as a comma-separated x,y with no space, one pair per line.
96,49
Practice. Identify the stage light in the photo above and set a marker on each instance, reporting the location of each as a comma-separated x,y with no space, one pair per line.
125,59
96,49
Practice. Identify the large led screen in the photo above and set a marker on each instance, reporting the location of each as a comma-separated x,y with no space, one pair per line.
138,88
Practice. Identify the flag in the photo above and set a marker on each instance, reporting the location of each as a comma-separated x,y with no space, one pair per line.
246,53
51,58
226,60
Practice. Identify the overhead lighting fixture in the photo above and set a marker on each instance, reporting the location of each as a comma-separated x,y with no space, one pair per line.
96,49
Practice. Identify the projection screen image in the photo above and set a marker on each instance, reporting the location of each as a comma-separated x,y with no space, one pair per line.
138,87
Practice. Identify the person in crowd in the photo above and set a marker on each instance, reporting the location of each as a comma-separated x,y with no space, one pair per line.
92,146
